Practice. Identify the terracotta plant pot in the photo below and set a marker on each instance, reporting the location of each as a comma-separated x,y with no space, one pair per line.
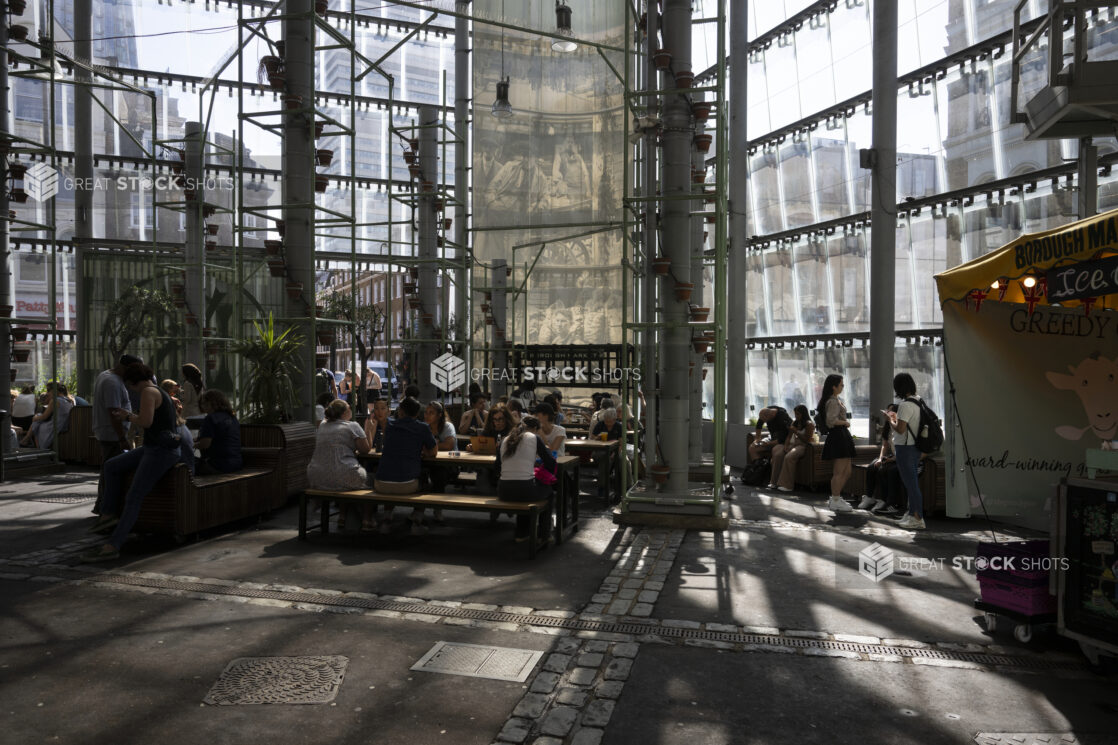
414,302
410,157
485,307
413,272
6,311
710,218
321,360
13,373
19,333
17,195
409,288
16,170
499,333
321,181
21,355
277,81
415,170
207,331
294,290
17,7
321,6
700,345
662,58
684,79
212,228
447,222
439,205
319,127
703,142
325,337
178,302
277,267
211,245
208,210
698,176
440,241
490,321
427,318
710,357
701,111
660,473
280,227
427,186
17,32
325,157
414,144
293,102
662,265
273,248
700,315
683,291
191,319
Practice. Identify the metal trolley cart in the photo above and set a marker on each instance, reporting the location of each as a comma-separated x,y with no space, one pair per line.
1014,579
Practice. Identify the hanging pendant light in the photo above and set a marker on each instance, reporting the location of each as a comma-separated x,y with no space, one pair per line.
502,109
563,28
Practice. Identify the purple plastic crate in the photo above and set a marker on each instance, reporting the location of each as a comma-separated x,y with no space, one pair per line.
1024,599
1024,560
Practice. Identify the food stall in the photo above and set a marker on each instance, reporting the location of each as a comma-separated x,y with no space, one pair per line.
1031,355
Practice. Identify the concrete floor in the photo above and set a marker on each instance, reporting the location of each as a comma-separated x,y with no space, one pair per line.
88,662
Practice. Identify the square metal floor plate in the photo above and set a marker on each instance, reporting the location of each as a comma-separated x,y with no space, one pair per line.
477,661
278,680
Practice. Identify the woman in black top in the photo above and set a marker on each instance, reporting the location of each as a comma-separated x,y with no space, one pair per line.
219,439
839,445
147,463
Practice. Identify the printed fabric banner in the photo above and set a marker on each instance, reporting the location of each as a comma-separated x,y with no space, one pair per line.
1034,391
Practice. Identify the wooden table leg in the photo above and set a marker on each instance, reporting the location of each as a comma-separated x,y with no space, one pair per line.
303,516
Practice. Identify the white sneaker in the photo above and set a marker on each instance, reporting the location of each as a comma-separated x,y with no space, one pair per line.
867,502
911,522
783,489
878,506
770,486
838,504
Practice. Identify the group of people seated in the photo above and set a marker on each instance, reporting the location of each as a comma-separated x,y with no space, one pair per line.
38,419
144,423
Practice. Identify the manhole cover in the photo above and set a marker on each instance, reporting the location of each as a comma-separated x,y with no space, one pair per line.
476,661
279,680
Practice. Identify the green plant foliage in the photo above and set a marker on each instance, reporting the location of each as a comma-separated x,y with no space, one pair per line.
136,314
272,374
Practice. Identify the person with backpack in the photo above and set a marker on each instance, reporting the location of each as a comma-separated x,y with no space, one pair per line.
907,426
833,420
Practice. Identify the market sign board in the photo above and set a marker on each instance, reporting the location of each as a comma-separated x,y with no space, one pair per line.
1083,280
1034,390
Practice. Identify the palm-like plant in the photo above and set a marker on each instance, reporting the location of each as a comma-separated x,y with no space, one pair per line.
268,393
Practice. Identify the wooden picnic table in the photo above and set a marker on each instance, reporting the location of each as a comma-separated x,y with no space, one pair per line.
568,467
603,452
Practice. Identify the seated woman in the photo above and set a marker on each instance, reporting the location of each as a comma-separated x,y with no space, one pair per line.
334,465
376,425
516,411
555,400
158,452
186,439
219,438
498,424
473,419
517,460
608,425
320,405
54,418
23,409
786,456
553,435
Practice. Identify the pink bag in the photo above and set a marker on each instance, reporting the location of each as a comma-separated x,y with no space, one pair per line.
544,476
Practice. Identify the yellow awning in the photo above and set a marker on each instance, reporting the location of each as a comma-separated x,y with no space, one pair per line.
1034,254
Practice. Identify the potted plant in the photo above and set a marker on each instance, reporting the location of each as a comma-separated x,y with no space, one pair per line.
6,311
277,267
701,110
321,6
212,228
321,181
21,354
319,127
137,314
409,287
660,473
703,142
268,392
17,195
700,345
17,32
427,318
324,156
16,170
661,265
191,319
684,78
273,248
293,101
447,222
700,315
207,331
410,157
294,289
662,58
17,7
683,291
710,357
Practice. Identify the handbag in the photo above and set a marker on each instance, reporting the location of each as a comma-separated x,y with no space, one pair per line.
544,476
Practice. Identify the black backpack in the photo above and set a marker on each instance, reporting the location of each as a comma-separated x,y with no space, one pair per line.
929,435
821,423
757,472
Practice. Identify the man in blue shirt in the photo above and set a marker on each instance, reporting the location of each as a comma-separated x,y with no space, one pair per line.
406,441
109,394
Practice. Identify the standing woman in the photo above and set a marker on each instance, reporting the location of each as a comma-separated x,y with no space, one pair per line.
906,423
345,390
839,445
147,463
191,390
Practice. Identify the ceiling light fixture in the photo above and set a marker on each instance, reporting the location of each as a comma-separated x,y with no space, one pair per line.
563,28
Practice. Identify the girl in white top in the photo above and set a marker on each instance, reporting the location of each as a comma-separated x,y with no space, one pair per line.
516,459
553,435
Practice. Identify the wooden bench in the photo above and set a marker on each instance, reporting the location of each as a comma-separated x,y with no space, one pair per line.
77,444
182,505
473,502
932,484
296,440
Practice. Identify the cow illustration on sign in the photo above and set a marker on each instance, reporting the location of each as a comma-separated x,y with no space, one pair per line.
1095,381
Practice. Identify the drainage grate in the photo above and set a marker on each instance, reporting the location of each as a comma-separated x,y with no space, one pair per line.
1042,738
476,661
278,680
64,498
575,624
